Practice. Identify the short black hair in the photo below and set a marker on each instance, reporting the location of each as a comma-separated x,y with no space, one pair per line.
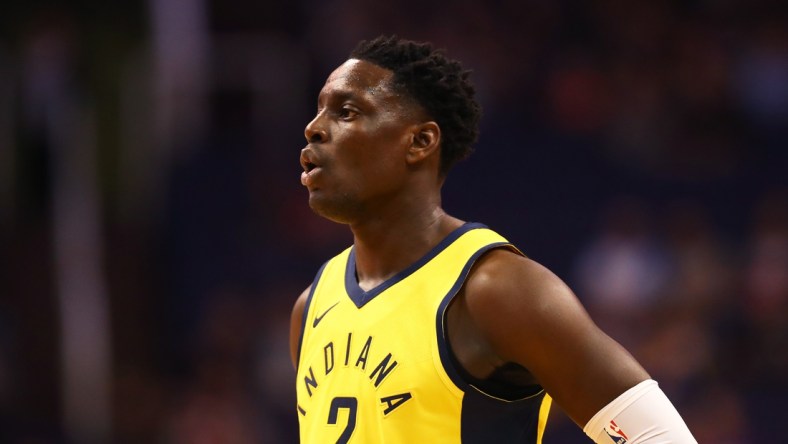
439,84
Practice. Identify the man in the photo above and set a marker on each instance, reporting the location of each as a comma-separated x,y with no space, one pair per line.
430,329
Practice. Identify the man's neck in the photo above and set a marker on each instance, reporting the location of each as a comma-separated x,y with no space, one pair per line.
386,246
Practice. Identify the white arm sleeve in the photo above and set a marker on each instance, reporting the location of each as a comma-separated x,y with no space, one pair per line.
640,415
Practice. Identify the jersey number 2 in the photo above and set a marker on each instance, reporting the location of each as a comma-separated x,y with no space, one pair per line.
342,402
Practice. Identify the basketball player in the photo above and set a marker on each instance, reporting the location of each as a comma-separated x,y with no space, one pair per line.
429,329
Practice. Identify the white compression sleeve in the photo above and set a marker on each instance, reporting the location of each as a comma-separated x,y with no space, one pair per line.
641,415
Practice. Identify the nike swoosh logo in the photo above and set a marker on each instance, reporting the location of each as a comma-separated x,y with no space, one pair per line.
320,318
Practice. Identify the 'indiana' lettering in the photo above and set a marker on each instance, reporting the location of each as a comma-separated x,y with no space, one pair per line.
328,354
310,382
377,376
362,357
394,401
381,369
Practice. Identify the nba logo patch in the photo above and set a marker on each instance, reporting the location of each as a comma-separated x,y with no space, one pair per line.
615,433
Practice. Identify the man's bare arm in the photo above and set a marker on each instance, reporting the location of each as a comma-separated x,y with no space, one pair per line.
527,315
530,317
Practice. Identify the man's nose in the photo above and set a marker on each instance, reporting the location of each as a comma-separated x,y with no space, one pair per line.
315,131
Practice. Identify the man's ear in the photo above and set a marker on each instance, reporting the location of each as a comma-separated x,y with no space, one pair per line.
425,142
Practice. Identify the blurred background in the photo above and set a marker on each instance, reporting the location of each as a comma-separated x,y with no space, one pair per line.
154,233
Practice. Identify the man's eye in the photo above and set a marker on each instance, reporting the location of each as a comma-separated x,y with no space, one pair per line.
347,113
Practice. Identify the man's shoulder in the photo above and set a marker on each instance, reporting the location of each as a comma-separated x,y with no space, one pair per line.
506,265
504,281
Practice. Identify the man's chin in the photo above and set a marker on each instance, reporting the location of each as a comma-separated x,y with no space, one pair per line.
330,209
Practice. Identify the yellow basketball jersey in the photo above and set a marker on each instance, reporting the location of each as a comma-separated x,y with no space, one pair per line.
374,366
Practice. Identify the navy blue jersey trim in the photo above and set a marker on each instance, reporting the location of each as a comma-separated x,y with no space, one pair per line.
361,297
306,310
443,346
485,419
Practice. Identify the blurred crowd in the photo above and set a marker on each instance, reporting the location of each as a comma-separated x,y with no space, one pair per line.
154,233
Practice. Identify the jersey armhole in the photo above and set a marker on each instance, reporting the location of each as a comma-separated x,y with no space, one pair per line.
444,350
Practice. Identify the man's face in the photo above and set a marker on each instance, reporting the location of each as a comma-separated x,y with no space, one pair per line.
355,158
